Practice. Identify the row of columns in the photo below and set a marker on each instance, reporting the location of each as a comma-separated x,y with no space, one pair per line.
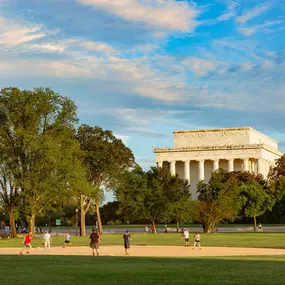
248,165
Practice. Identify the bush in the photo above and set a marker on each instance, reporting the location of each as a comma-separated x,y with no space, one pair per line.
111,223
118,222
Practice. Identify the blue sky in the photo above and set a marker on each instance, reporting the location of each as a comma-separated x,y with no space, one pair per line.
144,68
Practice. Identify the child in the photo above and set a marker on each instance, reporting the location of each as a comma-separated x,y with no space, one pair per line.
197,240
27,242
67,240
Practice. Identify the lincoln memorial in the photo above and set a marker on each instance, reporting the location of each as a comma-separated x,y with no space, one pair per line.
196,154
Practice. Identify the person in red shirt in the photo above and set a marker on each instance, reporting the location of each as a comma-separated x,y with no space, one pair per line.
27,242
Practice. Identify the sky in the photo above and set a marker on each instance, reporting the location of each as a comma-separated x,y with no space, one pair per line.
144,68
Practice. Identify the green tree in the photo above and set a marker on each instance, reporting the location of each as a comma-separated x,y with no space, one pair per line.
9,196
38,148
255,199
276,178
105,157
218,200
154,195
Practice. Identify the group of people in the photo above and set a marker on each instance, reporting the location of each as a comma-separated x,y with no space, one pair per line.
94,242
185,236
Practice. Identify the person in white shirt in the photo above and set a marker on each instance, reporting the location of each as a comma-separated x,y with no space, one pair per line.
186,237
46,241
197,239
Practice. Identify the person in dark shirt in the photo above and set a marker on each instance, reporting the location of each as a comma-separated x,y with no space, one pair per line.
94,241
127,238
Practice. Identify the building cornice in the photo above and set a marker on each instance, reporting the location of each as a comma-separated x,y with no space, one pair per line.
218,147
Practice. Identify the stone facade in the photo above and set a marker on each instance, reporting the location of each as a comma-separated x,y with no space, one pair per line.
196,154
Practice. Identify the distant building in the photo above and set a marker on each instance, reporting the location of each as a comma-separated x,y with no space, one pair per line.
196,154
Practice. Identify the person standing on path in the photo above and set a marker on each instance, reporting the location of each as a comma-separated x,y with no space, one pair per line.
197,239
27,243
186,237
94,240
127,238
47,241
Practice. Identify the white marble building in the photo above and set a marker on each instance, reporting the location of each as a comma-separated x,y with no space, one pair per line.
196,154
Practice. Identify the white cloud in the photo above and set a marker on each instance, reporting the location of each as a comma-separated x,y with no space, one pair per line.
199,66
98,47
123,138
163,14
255,12
146,47
14,33
249,31
231,11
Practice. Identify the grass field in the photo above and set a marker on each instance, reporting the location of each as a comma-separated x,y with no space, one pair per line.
262,240
71,270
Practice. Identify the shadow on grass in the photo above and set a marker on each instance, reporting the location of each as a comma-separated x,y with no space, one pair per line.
141,270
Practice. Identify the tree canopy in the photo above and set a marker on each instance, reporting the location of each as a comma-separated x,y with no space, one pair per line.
154,195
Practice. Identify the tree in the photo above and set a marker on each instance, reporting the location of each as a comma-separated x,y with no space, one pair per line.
255,199
276,178
217,200
105,157
38,148
154,195
9,194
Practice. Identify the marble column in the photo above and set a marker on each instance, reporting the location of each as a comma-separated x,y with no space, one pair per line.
216,165
187,170
201,171
230,165
172,167
245,164
252,166
260,168
159,163
265,168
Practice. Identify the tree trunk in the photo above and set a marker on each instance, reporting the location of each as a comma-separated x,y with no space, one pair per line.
208,227
82,223
177,227
99,217
31,223
254,221
12,223
154,227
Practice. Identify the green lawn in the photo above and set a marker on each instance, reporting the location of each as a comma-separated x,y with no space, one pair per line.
266,240
72,270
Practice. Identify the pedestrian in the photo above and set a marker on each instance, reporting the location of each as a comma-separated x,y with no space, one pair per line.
94,241
146,229
186,237
127,238
260,228
47,241
197,239
67,240
27,243
165,228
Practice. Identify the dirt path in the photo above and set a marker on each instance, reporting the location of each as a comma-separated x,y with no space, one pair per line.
169,251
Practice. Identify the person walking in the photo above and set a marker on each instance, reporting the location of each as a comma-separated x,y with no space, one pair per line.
197,239
94,240
47,241
186,237
27,243
146,229
127,238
